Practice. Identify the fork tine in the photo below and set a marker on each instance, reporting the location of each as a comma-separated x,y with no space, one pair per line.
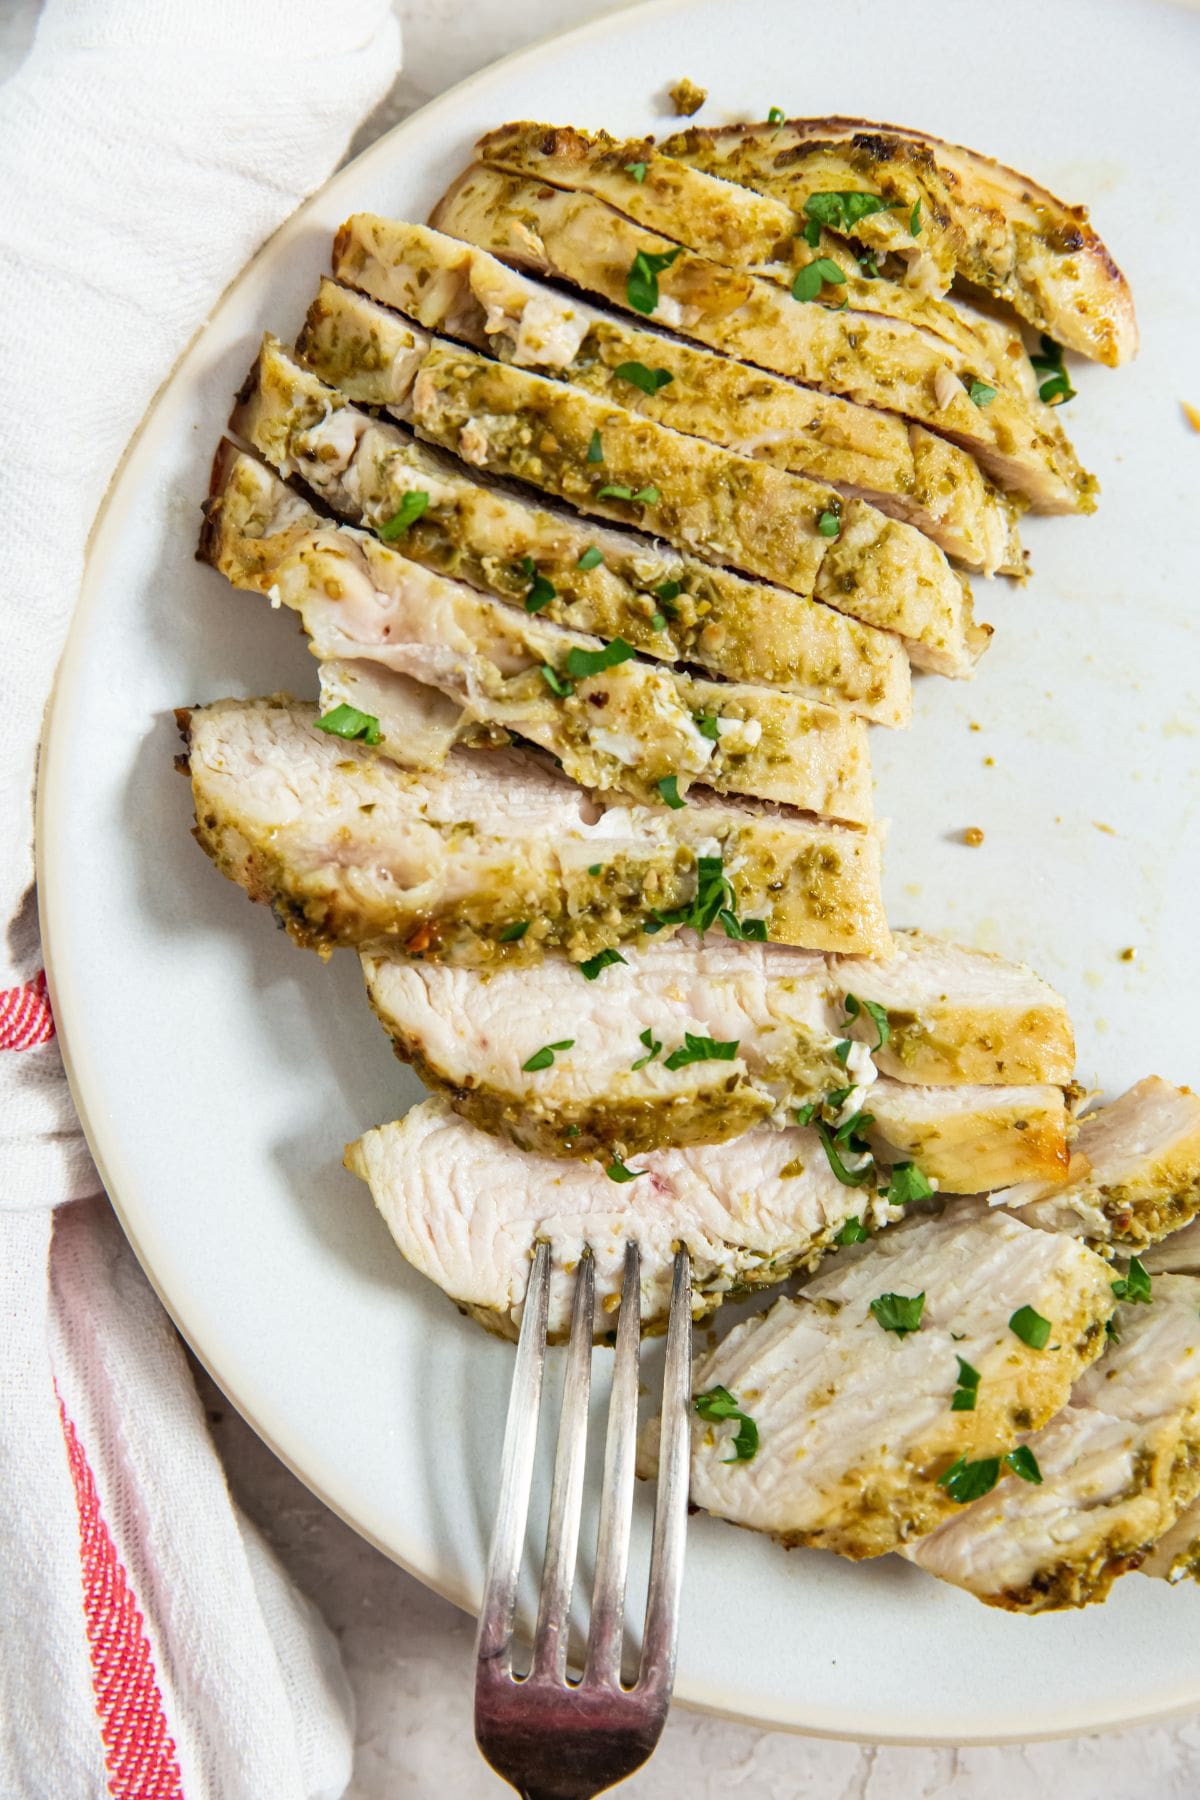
494,1643
566,1494
616,1497
657,1669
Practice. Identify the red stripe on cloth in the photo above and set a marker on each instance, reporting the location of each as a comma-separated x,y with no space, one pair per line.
25,1017
139,1752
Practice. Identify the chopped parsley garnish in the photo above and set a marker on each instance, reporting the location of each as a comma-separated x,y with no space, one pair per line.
852,1232
967,1389
868,268
649,380
616,1171
668,592
900,1313
595,868
842,1050
847,1177
668,787
713,891
646,496
637,170
1057,390
837,1098
554,681
966,1481
776,116
813,276
812,233
542,1059
841,209
914,220
1134,1285
581,663
653,1049
748,931
541,592
906,1185
603,959
829,524
347,722
595,449
591,558
854,1008
706,724
700,1049
512,934
641,284
981,393
412,506
804,1114
717,1404
1024,1463
1030,1327
658,621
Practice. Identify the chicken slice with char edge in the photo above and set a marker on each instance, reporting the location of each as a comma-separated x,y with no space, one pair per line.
878,362
591,577
852,1386
452,287
495,855
466,1209
736,227
629,728
978,220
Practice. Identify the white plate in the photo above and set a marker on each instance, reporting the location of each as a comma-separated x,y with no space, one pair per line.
219,1070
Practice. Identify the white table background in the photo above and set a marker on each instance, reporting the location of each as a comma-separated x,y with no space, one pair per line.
408,1653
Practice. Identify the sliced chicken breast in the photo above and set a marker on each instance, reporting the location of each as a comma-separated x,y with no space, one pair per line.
1118,1466
970,1139
588,576
494,855
631,728
1135,1171
856,1422
727,509
979,220
467,1209
691,1041
961,1015
731,224
878,362
451,287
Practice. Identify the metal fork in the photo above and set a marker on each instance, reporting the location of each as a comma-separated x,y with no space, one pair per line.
553,1737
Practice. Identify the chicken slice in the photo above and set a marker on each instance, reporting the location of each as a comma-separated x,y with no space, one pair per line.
495,855
625,729
1118,1466
878,362
730,224
1135,1171
449,286
604,581
979,220
467,1209
970,1139
752,1032
960,1015
762,1041
856,1423
727,509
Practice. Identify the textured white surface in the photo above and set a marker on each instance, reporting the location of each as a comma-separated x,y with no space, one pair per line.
408,1652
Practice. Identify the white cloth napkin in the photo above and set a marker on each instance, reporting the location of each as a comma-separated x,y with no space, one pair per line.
149,1646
